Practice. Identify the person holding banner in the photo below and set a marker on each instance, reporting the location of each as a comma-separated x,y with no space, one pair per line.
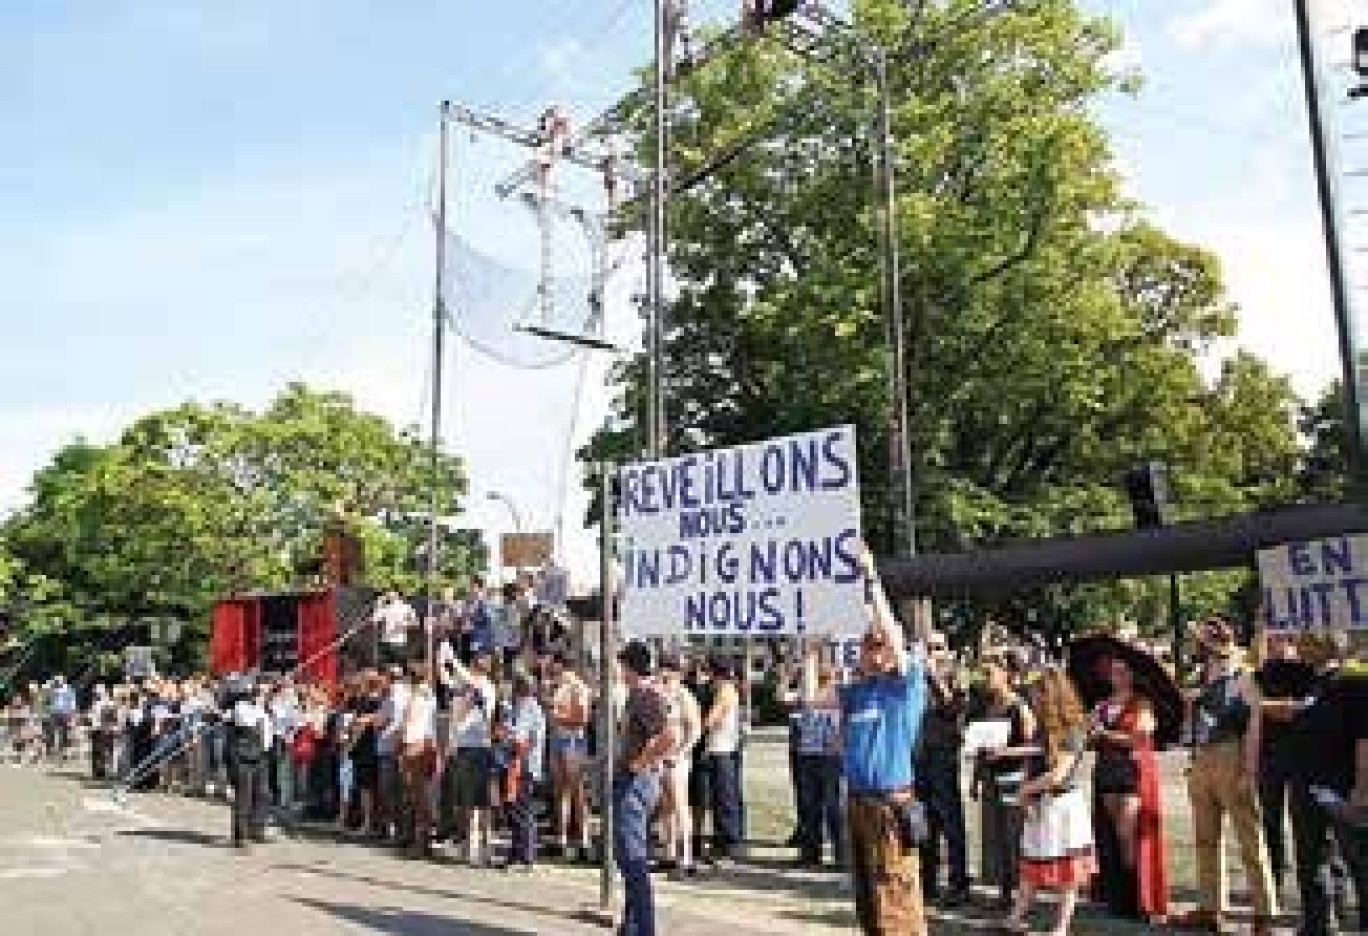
881,713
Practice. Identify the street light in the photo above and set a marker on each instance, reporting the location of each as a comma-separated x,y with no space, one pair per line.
512,509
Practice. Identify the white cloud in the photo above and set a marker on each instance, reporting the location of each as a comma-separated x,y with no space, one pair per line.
1232,23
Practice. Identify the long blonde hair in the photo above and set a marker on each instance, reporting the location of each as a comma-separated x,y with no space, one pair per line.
1058,710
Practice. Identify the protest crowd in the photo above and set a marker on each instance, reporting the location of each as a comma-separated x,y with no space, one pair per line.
495,758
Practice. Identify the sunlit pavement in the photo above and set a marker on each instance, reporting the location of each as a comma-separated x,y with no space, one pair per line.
75,861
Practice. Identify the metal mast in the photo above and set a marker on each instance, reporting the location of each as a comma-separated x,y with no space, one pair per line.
438,351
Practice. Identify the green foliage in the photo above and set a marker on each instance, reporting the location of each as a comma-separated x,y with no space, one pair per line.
1054,334
1323,474
194,502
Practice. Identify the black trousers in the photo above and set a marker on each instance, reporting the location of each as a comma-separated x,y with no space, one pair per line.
939,787
101,743
249,799
1312,832
819,806
1275,788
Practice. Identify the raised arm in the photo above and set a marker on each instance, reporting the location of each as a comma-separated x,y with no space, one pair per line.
882,620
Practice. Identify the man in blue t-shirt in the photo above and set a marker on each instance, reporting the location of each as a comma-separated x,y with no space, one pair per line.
881,714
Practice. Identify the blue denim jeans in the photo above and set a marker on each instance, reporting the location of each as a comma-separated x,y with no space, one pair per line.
634,801
725,778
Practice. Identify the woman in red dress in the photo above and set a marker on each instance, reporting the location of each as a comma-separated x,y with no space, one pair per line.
1128,825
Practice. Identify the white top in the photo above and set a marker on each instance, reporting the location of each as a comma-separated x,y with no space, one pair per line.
248,714
529,725
725,736
472,713
682,718
394,619
420,719
446,656
285,717
392,711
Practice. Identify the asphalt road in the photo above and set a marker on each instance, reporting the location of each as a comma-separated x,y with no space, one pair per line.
73,861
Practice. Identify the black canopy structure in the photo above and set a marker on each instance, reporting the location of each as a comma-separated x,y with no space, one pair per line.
1195,546
1227,542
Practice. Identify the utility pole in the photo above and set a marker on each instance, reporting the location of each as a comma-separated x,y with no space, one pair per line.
1355,419
656,240
438,349
607,682
900,436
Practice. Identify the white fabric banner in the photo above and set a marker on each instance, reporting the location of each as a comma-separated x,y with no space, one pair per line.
759,539
1320,585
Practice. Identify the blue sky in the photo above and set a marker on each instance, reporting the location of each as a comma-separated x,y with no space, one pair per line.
209,199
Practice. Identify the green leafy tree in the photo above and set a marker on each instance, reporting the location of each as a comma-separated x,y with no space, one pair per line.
1323,474
1054,334
201,500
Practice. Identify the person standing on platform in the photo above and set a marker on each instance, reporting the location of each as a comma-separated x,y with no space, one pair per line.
881,713
395,621
644,744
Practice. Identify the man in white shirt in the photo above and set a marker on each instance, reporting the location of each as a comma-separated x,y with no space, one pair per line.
471,760
394,620
389,743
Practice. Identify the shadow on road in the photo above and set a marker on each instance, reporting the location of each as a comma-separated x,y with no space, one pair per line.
399,922
177,837
569,915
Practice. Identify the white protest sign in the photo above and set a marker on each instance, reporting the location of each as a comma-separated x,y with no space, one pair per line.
761,539
1320,585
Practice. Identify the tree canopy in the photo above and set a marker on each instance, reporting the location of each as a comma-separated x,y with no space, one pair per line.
1055,335
191,503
